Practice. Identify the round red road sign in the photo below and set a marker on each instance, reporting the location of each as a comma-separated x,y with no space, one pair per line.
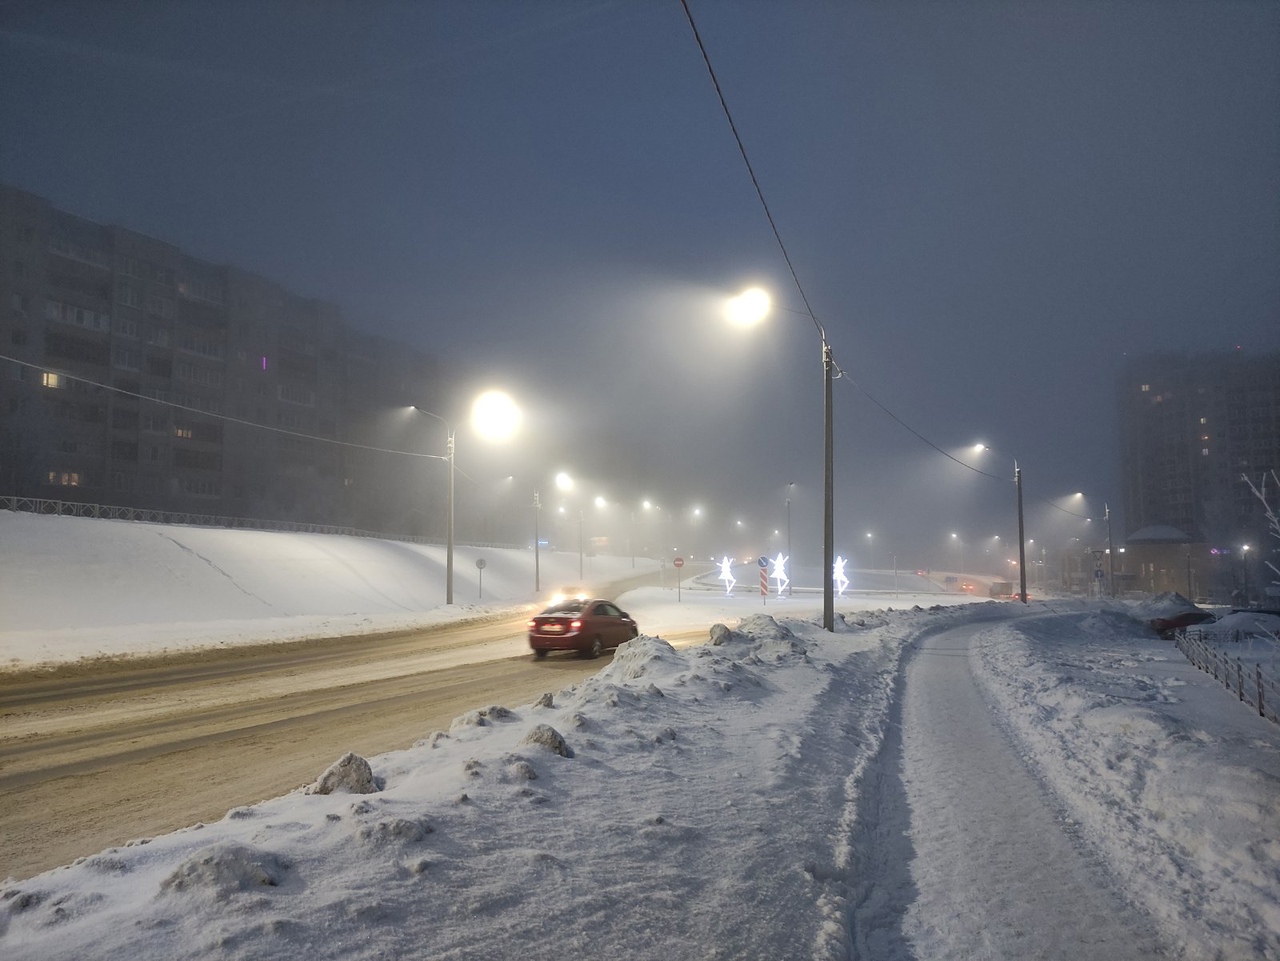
678,562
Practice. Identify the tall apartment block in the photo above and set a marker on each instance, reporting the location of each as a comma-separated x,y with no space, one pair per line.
1191,426
144,377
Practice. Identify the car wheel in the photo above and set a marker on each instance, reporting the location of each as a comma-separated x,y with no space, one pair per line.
539,655
595,649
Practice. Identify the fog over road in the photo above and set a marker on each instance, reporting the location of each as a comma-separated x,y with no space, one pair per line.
97,754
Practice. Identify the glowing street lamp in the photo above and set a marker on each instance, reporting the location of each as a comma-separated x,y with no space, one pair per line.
494,416
565,484
1022,541
746,310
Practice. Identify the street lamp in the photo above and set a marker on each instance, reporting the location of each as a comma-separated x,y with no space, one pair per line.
565,484
495,417
789,486
1111,550
746,310
1022,543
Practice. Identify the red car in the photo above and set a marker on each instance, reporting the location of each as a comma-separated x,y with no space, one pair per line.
576,624
1166,627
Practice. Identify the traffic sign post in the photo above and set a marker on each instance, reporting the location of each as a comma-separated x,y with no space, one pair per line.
679,563
480,568
764,579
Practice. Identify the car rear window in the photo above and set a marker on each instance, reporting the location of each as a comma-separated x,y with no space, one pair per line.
564,607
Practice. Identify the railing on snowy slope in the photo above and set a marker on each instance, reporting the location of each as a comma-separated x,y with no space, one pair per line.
1252,687
36,505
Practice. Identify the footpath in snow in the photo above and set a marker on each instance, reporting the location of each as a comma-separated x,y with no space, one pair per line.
994,862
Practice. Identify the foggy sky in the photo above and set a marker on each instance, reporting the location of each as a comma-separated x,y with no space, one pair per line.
988,206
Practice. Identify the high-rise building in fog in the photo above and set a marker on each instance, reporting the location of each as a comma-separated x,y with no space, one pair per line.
1191,426
146,377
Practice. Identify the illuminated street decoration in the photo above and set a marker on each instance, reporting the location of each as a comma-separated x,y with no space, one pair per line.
726,575
837,573
780,572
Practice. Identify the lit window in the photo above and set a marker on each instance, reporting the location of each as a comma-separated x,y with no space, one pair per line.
1204,452
1145,388
50,379
184,432
1204,420
64,478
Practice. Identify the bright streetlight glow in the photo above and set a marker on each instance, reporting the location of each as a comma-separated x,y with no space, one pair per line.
564,482
495,416
600,501
749,307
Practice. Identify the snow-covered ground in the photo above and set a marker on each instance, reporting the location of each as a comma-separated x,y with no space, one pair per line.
73,588
709,802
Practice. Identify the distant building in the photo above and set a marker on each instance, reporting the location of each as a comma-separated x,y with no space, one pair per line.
195,386
1191,426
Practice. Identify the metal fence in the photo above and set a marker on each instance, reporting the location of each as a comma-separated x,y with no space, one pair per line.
36,505
1251,684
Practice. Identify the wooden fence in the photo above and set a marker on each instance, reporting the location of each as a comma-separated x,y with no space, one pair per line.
1250,684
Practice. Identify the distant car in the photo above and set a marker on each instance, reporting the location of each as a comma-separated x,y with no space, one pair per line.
1166,627
588,626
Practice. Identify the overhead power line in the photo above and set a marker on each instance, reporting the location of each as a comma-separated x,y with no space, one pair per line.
217,416
840,373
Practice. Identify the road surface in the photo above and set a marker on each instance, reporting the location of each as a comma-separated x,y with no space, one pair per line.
94,755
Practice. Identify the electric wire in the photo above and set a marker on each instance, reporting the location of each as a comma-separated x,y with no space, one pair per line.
839,372
217,416
724,106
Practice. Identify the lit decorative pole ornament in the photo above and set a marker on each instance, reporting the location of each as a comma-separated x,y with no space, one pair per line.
837,574
726,575
780,572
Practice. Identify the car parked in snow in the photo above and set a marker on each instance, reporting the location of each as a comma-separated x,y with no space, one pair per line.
1166,627
589,626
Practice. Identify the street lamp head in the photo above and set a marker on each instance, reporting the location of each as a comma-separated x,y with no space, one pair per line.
748,308
600,501
495,416
564,482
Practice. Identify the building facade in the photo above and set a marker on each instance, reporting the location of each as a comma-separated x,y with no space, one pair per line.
140,376
1192,426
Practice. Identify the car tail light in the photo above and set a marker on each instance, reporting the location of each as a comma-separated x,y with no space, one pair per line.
575,624
532,625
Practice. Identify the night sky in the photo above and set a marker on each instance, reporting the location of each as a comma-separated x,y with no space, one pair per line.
988,206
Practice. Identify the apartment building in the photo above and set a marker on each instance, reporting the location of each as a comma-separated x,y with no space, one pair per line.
1191,426
141,376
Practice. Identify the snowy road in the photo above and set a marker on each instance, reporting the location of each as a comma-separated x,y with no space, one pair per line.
102,753
996,870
